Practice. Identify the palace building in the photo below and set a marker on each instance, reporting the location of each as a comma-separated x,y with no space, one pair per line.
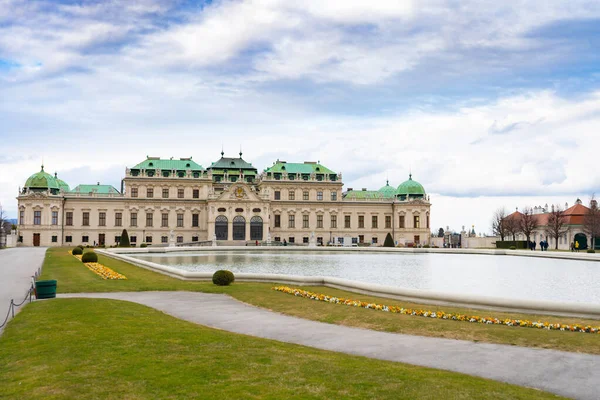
165,200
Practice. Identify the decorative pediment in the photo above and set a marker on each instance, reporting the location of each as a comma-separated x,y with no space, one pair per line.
239,192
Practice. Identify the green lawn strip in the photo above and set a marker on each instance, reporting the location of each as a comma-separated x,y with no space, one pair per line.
108,349
72,276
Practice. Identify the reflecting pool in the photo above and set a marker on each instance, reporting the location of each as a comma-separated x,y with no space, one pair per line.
499,276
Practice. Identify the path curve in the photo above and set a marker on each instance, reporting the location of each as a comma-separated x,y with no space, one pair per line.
568,374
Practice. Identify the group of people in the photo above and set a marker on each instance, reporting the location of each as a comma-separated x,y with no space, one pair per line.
543,245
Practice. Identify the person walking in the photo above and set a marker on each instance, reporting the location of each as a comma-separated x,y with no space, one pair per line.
541,245
534,245
576,246
572,247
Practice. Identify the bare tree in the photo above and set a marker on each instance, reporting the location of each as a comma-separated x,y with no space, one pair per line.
511,224
556,224
498,223
591,221
528,222
3,222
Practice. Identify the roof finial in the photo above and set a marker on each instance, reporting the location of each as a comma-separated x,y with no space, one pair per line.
240,151
42,164
55,174
409,172
222,151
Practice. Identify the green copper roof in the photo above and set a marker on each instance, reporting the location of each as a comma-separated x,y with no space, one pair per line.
181,164
410,188
299,168
41,180
100,189
62,184
231,163
387,191
363,194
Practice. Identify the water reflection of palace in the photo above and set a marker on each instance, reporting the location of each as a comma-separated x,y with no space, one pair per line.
228,200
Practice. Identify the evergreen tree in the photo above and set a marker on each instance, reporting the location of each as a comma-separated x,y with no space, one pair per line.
389,242
124,242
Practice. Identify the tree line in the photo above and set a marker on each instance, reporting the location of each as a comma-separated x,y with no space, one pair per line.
526,222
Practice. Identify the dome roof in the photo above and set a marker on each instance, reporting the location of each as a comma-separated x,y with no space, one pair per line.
387,190
61,184
42,180
410,188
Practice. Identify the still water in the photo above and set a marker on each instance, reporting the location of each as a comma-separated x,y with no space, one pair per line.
499,276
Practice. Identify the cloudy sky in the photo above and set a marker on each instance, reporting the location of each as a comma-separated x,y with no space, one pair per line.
489,103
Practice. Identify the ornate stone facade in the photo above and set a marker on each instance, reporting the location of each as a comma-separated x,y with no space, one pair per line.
228,201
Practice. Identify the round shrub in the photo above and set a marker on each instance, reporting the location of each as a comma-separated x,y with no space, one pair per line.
223,277
90,256
77,251
591,251
143,245
512,248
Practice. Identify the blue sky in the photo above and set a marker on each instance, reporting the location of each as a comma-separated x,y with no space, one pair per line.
489,104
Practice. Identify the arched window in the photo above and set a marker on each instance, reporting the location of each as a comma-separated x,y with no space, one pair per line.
221,227
256,228
239,228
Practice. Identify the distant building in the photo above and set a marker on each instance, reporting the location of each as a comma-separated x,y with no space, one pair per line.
229,201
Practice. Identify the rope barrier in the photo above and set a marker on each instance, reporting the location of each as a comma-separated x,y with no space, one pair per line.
13,305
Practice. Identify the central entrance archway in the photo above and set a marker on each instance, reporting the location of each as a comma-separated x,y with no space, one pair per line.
581,238
256,228
239,228
221,227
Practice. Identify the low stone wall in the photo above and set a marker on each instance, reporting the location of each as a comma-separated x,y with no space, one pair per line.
413,295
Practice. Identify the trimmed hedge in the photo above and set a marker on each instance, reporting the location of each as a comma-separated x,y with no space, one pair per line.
143,245
512,248
124,241
223,277
77,251
591,251
389,241
507,244
90,256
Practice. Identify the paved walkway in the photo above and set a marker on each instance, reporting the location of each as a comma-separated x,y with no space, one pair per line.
569,374
16,268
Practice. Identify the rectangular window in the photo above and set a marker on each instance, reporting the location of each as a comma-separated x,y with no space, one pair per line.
117,239
150,192
305,221
180,193
417,221
291,195
361,238
374,240
133,219
347,221
402,221
277,195
164,220
54,217
164,239
361,221
333,196
194,238
292,239
374,221
148,239
305,195
165,193
277,221
305,239
291,221
22,217
132,239
319,195
85,239
428,222
118,219
319,221
149,217
195,220
180,220
69,239
37,217
86,219
179,239
277,239
388,222
196,194
334,221
102,219
134,192
54,239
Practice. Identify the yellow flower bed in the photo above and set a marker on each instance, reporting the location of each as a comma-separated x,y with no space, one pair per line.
101,270
437,314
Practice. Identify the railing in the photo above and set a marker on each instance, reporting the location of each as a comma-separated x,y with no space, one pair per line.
203,243
12,306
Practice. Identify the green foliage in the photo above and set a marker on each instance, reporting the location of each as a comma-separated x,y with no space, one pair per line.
426,246
77,251
143,245
388,242
507,244
89,256
124,242
591,251
512,248
223,277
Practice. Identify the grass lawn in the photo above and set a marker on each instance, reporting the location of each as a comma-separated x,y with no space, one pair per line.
107,349
72,276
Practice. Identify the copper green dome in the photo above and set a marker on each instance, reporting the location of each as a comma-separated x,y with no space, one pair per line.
42,181
61,184
387,191
410,188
